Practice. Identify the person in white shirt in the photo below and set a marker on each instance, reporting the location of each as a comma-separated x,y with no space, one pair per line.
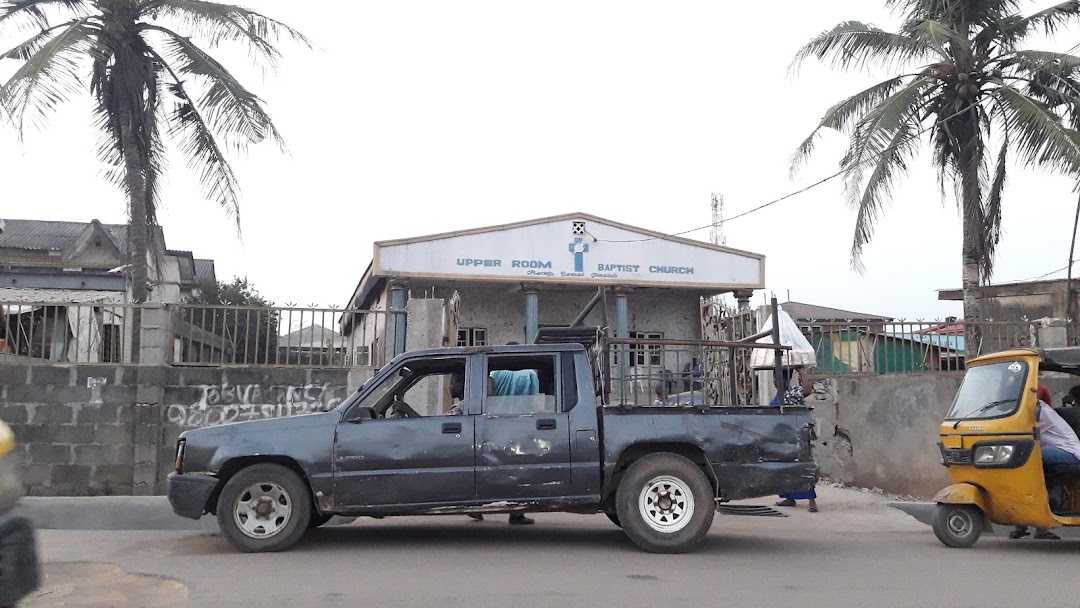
1059,445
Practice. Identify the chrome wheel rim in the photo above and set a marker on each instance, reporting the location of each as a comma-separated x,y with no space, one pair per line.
262,510
666,504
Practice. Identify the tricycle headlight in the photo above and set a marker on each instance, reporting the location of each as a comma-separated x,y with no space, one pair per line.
994,454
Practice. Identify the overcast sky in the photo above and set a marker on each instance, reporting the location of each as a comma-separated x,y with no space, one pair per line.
422,116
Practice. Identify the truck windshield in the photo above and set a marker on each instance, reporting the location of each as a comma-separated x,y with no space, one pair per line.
989,391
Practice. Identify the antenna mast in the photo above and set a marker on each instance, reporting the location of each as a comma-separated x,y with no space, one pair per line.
716,234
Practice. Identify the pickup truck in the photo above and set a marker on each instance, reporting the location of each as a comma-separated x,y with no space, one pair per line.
499,429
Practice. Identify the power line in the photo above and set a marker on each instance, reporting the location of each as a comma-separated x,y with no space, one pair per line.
734,217
1041,276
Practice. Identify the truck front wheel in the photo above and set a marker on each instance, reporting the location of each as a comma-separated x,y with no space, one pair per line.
665,503
265,507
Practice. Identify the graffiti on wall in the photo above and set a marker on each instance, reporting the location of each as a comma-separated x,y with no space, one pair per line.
223,403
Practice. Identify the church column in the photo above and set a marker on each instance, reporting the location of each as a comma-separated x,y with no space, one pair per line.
397,314
743,296
532,311
622,312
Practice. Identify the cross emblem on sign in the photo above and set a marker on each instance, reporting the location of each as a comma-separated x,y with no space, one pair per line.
579,248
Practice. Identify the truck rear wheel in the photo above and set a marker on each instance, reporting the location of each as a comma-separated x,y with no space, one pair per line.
665,503
265,507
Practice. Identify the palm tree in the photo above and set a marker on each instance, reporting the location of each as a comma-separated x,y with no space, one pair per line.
965,82
148,82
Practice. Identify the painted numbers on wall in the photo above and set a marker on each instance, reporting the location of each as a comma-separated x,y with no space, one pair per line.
222,404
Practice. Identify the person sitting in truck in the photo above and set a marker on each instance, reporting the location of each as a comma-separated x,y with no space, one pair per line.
457,393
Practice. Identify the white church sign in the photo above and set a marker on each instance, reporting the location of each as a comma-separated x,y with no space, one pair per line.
568,249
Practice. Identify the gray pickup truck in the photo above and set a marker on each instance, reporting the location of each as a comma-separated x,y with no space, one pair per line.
490,430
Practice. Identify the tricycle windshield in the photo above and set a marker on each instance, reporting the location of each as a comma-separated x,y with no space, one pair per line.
990,391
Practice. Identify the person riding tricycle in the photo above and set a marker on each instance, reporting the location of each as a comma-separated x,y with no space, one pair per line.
1012,459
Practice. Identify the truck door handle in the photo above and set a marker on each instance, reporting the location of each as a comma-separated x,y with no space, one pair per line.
545,424
451,427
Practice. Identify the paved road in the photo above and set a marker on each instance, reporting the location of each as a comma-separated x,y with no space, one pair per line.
855,552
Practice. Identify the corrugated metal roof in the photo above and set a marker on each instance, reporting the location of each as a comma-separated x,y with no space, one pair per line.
941,341
807,312
312,336
49,235
204,270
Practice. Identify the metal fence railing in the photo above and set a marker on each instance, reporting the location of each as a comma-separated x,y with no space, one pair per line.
279,336
79,332
908,346
102,332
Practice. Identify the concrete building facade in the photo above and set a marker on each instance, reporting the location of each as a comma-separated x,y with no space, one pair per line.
503,283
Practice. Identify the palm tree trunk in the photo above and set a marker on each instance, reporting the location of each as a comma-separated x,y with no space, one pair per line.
970,281
138,230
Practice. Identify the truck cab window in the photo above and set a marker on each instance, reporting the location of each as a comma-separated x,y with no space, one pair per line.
521,385
419,388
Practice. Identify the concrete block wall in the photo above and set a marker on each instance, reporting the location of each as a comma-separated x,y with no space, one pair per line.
88,429
73,427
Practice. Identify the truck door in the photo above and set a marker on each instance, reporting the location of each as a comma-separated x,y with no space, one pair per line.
523,432
405,444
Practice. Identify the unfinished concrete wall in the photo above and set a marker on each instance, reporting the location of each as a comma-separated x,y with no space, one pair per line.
882,431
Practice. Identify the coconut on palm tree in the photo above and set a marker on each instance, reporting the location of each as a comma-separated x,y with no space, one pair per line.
152,81
965,85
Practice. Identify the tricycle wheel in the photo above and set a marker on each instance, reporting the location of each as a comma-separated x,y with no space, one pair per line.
958,525
265,507
665,503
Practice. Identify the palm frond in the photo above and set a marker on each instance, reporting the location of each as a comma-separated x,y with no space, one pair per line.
991,221
892,164
876,131
1060,94
197,142
1004,34
1038,135
843,115
26,49
1055,17
938,35
49,77
219,23
23,14
1049,62
235,113
856,44
951,11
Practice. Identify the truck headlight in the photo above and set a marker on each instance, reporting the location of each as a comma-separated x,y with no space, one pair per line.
994,454
178,464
